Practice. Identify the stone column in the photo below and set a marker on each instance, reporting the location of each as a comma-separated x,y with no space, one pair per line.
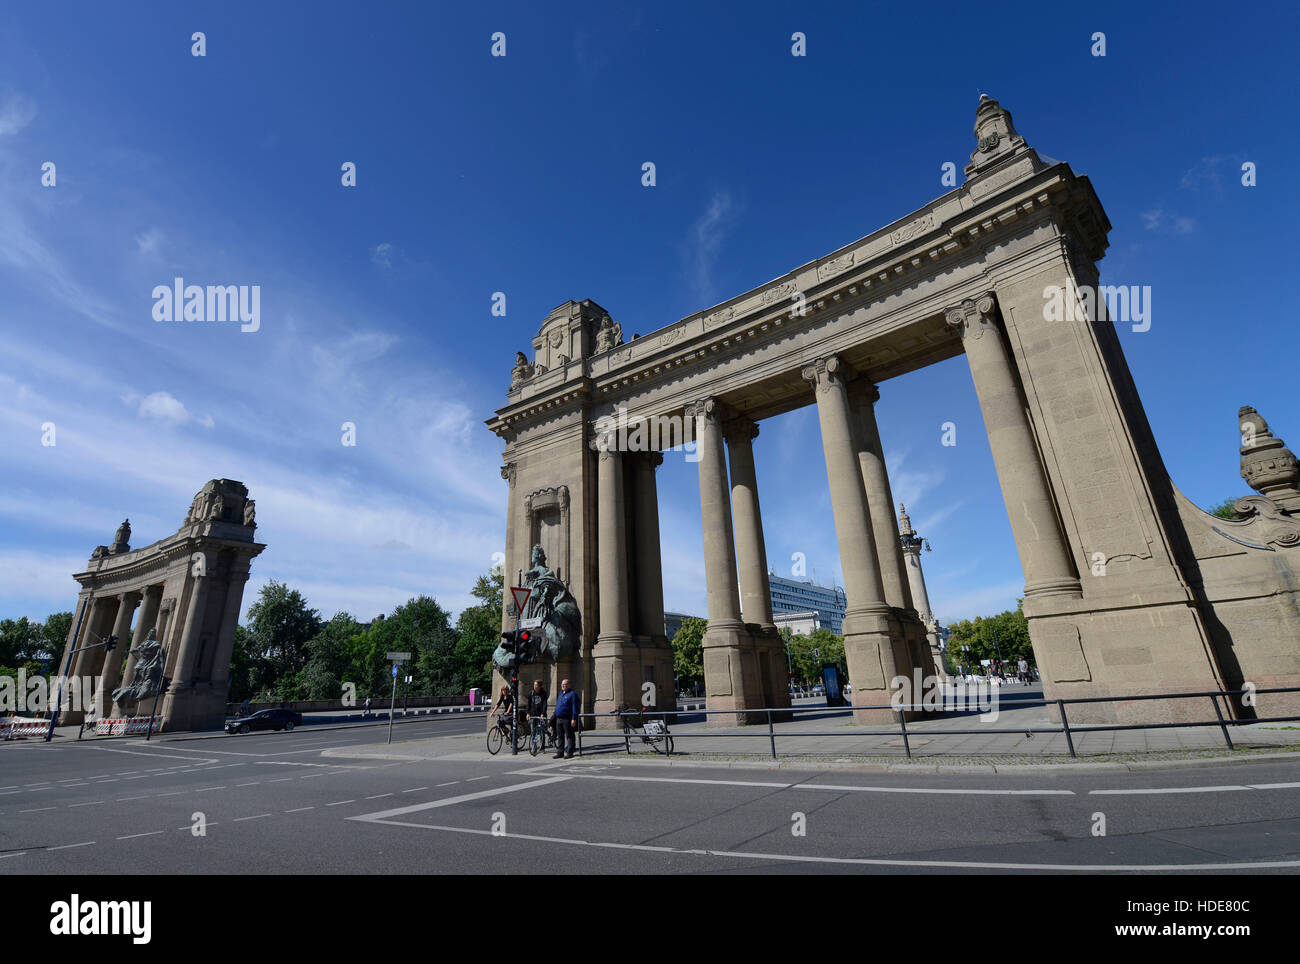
751,560
1031,507
614,641
147,620
868,645
751,554
911,543
650,582
175,709
910,650
731,677
94,616
111,673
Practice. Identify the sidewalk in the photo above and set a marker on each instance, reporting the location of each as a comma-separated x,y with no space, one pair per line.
829,738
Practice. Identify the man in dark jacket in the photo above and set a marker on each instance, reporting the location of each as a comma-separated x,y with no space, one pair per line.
566,721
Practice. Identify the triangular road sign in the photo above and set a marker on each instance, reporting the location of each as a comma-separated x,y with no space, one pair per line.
520,597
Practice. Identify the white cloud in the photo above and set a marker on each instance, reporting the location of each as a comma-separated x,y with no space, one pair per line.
704,243
165,407
16,112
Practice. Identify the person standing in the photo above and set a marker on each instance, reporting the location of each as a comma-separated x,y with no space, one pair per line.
537,706
367,710
1024,670
566,721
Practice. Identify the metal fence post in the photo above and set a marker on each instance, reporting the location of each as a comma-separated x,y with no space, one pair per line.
902,725
1222,725
771,734
579,729
1069,740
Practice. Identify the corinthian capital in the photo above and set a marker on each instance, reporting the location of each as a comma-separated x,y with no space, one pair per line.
974,316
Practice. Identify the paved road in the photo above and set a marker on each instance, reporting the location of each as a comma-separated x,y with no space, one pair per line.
274,803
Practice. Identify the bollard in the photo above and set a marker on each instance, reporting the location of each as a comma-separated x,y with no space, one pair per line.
770,734
902,724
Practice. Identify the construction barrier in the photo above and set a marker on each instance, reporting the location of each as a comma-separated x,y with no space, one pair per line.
128,726
14,727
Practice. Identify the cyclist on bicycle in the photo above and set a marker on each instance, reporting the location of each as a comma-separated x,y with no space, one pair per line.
504,702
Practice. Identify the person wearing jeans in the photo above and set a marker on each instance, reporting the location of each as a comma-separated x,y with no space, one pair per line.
566,721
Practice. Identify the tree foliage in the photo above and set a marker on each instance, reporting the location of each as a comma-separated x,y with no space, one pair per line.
688,650
1225,510
1006,633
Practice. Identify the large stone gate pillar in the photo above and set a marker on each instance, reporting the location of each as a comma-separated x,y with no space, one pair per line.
868,646
1030,505
731,678
614,642
112,672
751,559
656,654
907,631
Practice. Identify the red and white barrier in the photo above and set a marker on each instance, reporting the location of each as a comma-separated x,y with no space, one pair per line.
129,725
13,727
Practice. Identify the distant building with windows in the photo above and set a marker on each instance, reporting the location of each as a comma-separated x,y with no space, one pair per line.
790,596
801,624
673,622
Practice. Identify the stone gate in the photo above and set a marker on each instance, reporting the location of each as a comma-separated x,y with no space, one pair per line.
1129,588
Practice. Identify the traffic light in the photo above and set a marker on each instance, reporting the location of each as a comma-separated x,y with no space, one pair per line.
508,641
525,643
110,643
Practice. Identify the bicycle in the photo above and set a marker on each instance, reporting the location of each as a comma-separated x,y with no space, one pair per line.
652,732
542,734
499,735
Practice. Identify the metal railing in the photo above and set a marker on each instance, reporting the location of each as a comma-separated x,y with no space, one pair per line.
900,714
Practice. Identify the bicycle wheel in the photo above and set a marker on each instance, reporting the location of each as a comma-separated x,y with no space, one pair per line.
537,743
661,744
495,740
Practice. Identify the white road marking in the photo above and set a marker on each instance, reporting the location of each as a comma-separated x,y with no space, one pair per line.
18,854
132,836
863,861
69,846
378,795
280,780
125,799
1228,788
174,793
414,789
201,789
339,803
451,783
452,801
88,803
256,817
37,810
253,784
299,809
472,779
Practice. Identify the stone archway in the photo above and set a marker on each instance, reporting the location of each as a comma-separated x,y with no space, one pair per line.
1129,588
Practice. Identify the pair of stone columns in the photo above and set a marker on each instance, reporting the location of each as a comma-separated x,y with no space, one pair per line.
625,661
744,663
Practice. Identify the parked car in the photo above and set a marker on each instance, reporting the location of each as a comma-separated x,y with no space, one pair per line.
275,719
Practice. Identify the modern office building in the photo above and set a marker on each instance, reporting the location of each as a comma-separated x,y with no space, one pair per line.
793,596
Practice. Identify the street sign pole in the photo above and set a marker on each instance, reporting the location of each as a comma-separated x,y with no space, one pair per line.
397,659
520,597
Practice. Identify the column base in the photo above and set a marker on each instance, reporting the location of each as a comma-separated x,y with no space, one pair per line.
867,638
732,674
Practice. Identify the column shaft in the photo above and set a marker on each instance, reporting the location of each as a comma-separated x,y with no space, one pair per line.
751,554
1031,507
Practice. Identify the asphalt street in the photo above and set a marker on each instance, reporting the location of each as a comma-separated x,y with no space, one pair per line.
272,803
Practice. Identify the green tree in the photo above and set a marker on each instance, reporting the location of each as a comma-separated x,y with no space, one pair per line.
329,659
1225,510
54,636
808,654
688,650
1006,633
422,628
20,640
281,624
478,630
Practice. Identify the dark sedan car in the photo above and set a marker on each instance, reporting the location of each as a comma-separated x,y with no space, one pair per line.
264,720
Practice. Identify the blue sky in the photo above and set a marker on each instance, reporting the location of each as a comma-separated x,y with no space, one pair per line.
522,174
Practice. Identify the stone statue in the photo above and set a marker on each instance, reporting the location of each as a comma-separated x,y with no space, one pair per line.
146,674
123,536
521,371
609,335
561,630
218,507
250,514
